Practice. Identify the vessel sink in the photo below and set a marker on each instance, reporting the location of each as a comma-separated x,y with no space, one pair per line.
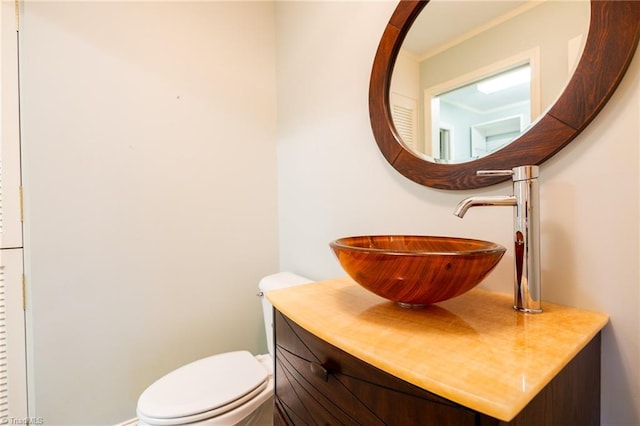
416,270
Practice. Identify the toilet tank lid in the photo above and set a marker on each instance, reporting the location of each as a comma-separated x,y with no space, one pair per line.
203,385
281,280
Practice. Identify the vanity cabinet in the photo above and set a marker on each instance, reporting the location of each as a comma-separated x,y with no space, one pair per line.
320,384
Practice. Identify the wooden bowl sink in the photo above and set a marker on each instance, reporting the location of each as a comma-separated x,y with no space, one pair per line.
416,270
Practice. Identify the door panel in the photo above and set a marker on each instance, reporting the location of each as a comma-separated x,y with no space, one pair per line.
10,211
13,384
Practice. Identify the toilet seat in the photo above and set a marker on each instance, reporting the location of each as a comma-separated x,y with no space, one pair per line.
204,389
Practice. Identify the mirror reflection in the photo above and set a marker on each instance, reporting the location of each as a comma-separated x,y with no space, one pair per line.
471,76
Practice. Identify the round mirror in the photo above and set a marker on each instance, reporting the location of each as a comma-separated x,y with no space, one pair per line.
426,152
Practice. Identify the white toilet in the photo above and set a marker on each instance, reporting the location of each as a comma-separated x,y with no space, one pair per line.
233,388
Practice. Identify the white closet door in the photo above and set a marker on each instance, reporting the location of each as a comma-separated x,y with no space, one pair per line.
13,371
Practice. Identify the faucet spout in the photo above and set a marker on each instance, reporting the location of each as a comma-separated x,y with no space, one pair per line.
498,200
526,232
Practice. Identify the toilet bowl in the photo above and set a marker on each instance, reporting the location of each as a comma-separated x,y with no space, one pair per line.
222,389
232,388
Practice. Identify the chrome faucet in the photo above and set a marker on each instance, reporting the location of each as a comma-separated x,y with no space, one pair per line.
526,228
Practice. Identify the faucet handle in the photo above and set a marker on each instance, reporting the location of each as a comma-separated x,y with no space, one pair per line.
494,173
518,173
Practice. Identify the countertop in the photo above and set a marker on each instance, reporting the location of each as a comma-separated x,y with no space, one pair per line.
475,350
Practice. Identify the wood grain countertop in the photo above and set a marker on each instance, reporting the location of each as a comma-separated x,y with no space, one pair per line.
475,350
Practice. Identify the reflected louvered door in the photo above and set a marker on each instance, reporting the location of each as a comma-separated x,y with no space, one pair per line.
13,376
404,115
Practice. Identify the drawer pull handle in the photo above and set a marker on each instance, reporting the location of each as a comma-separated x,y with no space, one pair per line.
319,370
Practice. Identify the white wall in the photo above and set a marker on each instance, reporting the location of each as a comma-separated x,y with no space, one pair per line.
150,183
334,182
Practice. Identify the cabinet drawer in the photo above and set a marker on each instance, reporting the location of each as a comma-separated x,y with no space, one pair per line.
317,383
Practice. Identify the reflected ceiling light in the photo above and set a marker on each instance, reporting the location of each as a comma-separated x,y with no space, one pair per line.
505,80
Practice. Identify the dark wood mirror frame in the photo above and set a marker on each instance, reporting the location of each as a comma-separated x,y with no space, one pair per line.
612,40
